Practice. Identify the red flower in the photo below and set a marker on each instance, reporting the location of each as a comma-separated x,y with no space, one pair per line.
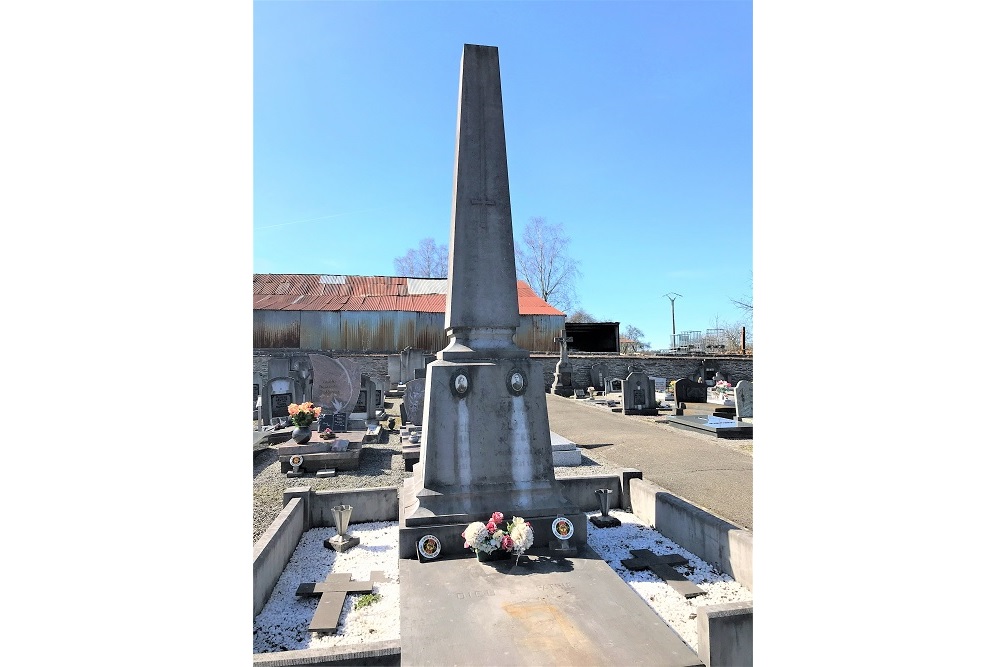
506,543
491,527
497,517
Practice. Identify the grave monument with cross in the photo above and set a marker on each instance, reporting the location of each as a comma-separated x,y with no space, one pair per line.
485,445
563,382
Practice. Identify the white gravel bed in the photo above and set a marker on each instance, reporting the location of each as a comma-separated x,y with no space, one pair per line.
283,623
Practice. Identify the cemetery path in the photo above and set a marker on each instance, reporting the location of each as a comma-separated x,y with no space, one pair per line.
697,467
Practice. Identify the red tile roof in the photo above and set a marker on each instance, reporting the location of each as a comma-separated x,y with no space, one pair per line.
295,291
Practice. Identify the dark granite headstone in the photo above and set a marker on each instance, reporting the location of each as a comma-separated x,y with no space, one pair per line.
689,391
639,395
598,373
325,422
413,399
339,422
279,405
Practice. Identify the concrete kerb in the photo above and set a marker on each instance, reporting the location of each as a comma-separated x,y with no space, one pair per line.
714,540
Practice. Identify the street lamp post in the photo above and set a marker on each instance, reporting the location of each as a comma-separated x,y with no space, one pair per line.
673,322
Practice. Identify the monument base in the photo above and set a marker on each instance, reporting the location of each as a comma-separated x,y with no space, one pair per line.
340,544
448,529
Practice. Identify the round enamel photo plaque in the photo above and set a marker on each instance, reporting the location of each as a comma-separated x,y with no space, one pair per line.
562,528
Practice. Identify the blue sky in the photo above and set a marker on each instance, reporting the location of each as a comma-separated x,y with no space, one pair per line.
628,123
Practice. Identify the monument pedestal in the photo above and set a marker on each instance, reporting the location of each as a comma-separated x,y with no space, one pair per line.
473,464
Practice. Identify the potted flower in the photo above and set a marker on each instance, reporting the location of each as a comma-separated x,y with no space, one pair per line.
493,541
302,416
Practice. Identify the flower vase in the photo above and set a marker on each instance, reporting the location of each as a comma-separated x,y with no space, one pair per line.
301,434
497,554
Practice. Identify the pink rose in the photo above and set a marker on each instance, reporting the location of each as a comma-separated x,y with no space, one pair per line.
497,517
491,527
506,543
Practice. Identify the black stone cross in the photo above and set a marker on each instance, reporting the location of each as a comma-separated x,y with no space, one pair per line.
644,559
331,594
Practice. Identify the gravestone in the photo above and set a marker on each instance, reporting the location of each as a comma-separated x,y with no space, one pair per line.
598,373
615,384
412,364
302,372
279,393
689,391
325,422
639,395
562,384
339,422
336,384
486,445
278,368
744,400
660,384
413,399
394,369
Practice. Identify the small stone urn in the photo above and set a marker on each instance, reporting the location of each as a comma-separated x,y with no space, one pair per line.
342,542
605,520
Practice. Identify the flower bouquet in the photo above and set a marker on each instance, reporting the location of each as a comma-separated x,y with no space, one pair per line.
485,538
303,415
327,434
721,387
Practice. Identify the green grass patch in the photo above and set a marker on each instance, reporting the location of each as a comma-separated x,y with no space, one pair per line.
367,599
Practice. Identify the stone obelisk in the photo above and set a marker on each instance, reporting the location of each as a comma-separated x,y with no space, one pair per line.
486,445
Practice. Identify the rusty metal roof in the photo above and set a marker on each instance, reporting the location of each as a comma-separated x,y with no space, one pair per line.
295,291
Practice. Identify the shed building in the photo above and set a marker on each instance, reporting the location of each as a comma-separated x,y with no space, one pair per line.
375,314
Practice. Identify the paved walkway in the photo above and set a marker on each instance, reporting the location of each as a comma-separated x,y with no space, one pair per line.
706,471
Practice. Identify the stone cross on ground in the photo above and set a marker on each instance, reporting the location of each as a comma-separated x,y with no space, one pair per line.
644,559
332,594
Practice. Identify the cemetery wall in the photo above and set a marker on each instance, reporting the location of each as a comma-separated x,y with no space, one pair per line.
674,367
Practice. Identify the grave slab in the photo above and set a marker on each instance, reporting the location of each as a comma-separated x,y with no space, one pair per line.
349,460
720,427
547,611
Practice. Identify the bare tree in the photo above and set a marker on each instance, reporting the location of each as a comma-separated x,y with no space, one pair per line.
543,262
580,315
631,340
427,260
745,302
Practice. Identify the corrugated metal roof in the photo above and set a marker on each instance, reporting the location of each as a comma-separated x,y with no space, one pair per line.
427,285
284,291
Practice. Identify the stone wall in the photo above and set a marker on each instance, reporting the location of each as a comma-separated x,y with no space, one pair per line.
376,366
